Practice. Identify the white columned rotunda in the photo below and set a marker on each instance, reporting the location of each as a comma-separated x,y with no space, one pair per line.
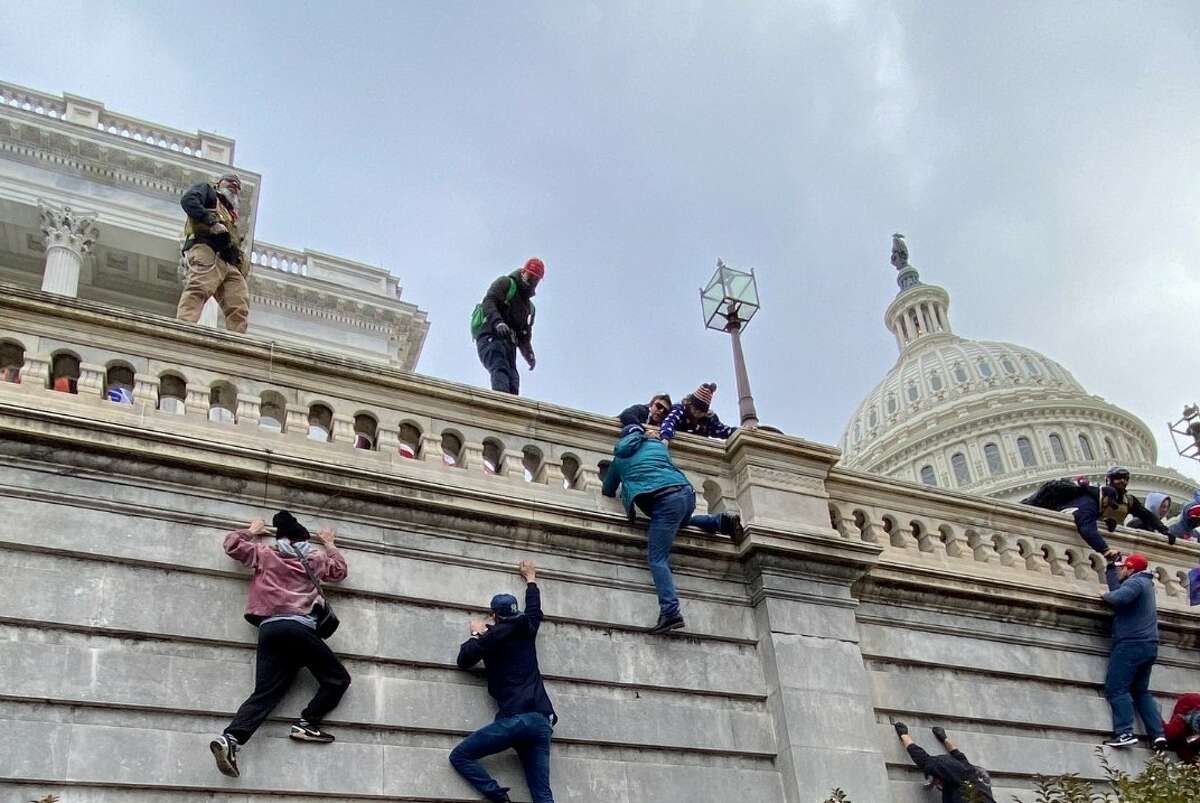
995,419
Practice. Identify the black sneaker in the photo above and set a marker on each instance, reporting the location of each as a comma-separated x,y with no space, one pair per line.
224,749
665,623
1121,740
501,797
731,525
1159,743
307,732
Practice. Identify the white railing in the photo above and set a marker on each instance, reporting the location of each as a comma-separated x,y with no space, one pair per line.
278,258
31,101
140,131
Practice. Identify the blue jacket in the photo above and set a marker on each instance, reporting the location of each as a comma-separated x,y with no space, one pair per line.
640,465
1135,615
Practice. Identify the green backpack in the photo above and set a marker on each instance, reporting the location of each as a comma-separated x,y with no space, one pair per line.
479,319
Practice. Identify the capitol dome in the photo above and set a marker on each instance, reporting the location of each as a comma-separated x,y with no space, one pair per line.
991,418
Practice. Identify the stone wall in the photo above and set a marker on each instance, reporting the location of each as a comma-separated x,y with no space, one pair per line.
853,600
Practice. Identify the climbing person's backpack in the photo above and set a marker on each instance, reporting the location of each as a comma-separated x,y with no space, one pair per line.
479,317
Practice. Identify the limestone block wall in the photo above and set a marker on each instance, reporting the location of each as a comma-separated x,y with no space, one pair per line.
854,599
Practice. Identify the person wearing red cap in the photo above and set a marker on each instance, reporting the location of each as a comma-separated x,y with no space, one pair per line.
1134,649
502,325
693,415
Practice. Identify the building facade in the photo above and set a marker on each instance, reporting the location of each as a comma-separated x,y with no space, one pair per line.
89,208
989,418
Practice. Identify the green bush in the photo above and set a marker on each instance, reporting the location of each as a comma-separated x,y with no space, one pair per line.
1162,780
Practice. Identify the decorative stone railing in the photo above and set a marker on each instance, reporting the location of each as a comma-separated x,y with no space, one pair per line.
278,258
320,410
92,114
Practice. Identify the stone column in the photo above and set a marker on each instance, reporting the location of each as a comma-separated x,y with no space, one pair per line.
69,235
800,572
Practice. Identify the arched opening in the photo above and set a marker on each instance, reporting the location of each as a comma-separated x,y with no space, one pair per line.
172,394
493,455
1085,447
1109,447
603,467
64,372
118,383
222,403
272,411
12,359
928,476
962,472
570,471
531,463
1025,449
320,423
1056,448
995,461
410,439
365,431
452,449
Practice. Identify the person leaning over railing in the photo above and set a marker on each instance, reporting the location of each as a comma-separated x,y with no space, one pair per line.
1110,503
293,619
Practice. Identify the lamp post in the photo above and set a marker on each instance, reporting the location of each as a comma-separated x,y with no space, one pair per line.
728,302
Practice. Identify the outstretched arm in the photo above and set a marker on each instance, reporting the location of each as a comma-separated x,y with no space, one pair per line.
533,597
667,428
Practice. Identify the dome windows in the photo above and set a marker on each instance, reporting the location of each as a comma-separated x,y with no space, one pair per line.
935,380
912,391
1056,448
1031,367
962,472
928,477
891,404
873,418
1025,449
1109,448
985,368
1008,366
1085,447
960,373
995,463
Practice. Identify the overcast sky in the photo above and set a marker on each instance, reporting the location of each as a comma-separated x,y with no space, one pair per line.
1042,158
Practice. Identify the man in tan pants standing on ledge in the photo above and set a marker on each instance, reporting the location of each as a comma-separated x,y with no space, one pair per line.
212,248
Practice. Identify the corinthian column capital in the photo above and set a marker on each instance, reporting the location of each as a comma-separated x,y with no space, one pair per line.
67,228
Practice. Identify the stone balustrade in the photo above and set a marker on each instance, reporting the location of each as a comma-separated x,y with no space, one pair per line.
31,100
853,600
279,258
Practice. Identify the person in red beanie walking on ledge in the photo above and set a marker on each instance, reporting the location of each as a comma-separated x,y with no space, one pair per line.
693,415
1134,649
502,325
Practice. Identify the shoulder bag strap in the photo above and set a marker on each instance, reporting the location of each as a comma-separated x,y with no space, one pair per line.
307,569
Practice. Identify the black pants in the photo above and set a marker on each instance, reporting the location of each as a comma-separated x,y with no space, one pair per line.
284,647
499,357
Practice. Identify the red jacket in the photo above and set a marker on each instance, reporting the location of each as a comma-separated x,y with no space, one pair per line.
1177,730
280,586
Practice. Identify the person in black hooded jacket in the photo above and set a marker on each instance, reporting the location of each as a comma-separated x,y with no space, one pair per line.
1111,503
950,773
525,717
502,325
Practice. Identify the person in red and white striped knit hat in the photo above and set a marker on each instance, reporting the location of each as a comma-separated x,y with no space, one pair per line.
693,415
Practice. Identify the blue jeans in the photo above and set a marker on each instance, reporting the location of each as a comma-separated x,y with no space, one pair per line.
667,514
499,357
1127,685
528,734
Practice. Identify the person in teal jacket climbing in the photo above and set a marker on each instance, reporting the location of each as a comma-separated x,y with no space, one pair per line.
650,482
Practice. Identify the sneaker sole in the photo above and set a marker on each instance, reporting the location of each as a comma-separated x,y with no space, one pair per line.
304,737
1120,745
223,764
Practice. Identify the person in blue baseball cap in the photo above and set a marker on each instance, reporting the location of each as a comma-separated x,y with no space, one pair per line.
525,717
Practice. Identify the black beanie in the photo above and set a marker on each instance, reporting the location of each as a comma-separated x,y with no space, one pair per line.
287,527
